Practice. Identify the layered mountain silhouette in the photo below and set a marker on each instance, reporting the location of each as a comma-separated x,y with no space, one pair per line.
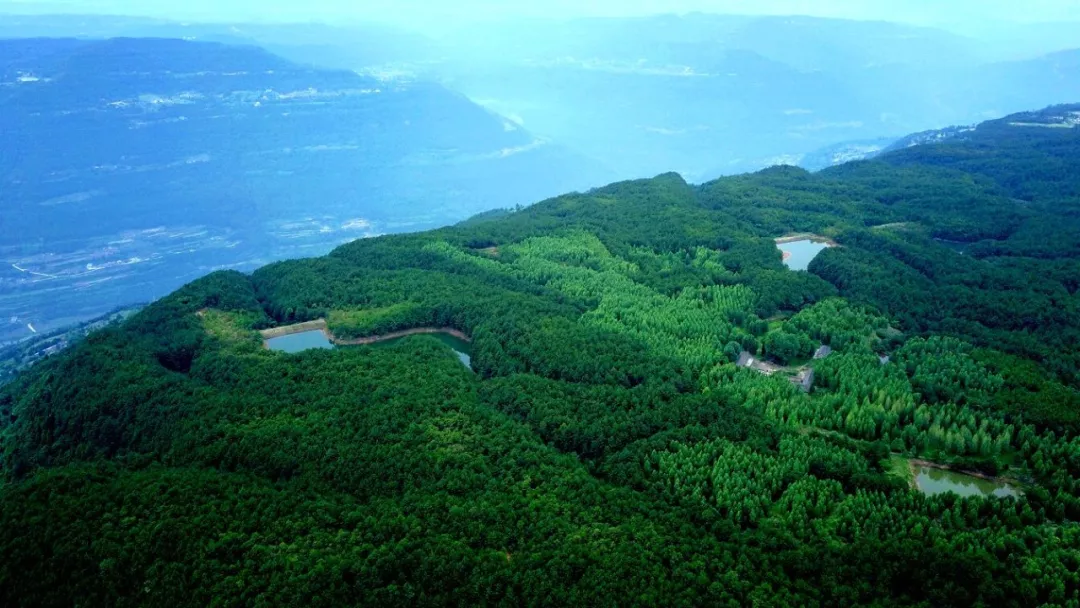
130,166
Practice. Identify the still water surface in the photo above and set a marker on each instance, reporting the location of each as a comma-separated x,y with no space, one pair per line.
802,253
307,340
938,481
294,343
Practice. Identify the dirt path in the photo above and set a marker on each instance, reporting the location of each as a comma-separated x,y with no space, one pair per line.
893,226
299,328
401,334
817,238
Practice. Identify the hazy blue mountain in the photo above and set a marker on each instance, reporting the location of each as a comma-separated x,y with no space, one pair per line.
328,46
1027,83
1005,40
808,43
130,166
707,95
642,119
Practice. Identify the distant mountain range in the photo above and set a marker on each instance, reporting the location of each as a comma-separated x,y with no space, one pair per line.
328,46
709,95
701,94
131,166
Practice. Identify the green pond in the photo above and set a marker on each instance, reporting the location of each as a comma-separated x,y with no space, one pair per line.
294,343
802,252
461,348
933,481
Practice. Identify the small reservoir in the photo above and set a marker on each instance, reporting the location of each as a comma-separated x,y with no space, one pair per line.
799,253
316,334
932,481
294,343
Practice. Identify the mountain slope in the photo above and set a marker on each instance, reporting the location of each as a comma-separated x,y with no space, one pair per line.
647,416
131,166
1009,151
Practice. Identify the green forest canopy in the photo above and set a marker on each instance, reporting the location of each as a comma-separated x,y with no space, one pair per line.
606,450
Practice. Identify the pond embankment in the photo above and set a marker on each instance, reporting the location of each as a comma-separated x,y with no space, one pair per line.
916,463
401,334
299,328
805,236
320,325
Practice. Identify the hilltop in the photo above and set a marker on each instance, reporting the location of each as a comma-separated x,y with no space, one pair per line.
604,446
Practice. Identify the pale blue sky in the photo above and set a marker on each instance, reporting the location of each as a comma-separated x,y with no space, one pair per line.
426,12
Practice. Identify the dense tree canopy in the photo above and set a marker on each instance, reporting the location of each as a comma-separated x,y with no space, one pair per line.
606,448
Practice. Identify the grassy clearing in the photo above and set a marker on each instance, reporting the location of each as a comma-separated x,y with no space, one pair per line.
900,466
230,327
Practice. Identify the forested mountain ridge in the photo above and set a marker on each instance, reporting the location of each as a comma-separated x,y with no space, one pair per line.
996,136
131,166
1031,155
604,448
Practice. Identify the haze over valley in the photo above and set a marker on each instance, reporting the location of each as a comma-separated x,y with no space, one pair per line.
141,153
659,303
133,165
